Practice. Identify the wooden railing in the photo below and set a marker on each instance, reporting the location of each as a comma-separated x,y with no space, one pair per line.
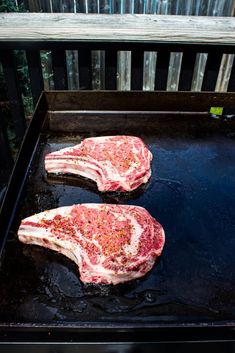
150,7
139,34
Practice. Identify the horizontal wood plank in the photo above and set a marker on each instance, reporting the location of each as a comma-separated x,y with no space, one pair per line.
137,101
117,28
125,122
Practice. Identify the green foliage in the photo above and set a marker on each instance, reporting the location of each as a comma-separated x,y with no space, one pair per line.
47,70
10,6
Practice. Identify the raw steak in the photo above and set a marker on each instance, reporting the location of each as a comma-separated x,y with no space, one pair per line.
109,243
115,163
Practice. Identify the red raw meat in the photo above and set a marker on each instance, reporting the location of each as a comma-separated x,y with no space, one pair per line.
115,163
109,243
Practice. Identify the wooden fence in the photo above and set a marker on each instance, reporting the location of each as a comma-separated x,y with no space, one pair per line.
123,76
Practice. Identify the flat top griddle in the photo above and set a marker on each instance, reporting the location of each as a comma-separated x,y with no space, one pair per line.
191,193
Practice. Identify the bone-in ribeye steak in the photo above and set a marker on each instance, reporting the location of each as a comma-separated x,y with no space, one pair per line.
115,163
109,243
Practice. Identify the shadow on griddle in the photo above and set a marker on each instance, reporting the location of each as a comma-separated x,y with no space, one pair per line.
101,290
62,275
90,185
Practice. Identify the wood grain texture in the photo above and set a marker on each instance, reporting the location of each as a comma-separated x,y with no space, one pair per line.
116,28
137,101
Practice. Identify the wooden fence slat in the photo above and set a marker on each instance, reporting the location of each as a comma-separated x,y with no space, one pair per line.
84,63
124,70
35,73
72,69
174,71
13,92
111,69
198,73
211,71
81,6
187,69
224,72
59,69
150,59
231,85
6,160
97,69
163,58
137,65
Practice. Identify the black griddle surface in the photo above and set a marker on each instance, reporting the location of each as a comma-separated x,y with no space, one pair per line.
191,193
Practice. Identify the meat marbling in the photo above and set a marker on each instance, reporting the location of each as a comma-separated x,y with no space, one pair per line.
109,243
115,163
